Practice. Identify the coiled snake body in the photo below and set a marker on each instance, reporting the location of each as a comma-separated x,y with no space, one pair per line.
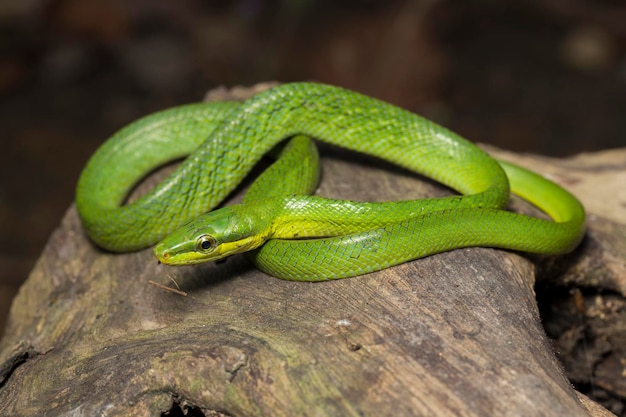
294,235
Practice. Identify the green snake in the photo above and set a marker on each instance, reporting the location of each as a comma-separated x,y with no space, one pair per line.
288,232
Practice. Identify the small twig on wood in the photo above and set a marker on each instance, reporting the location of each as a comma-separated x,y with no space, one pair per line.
166,288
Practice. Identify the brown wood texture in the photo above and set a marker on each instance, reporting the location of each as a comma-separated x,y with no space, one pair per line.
456,334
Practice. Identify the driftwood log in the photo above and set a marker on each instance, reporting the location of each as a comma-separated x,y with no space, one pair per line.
456,334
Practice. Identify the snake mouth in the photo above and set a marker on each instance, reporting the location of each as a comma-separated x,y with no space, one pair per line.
166,258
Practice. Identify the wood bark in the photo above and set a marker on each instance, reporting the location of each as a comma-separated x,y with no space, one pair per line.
456,334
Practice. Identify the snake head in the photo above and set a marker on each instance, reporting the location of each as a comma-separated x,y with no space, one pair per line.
209,237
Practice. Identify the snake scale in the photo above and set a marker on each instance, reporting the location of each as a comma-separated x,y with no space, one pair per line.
288,232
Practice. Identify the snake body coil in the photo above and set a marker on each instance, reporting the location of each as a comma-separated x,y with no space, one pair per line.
300,237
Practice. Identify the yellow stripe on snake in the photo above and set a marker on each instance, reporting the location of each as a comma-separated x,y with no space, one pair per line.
290,233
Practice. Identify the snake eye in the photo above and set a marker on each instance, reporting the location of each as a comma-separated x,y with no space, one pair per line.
206,244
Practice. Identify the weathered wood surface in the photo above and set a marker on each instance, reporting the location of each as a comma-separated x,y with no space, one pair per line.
456,334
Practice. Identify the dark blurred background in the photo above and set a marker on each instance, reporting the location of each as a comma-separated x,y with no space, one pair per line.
543,76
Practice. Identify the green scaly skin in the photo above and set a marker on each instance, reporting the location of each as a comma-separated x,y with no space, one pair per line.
342,238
